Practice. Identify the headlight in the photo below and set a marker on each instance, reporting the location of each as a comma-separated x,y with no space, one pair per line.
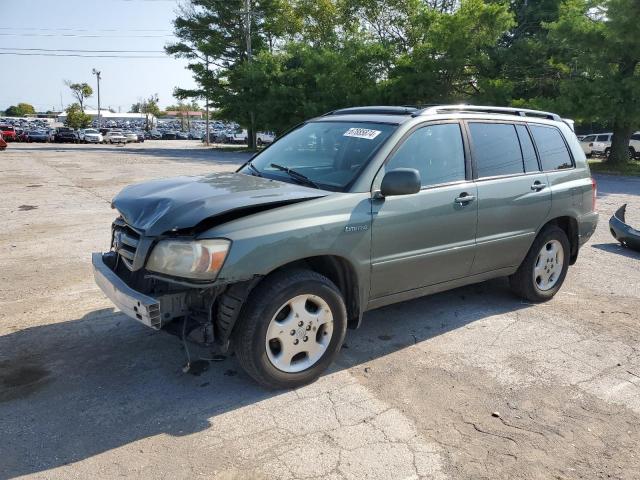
201,259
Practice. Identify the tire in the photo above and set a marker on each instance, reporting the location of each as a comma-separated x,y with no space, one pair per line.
632,153
525,284
258,356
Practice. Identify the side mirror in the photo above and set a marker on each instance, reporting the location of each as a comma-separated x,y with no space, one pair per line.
401,181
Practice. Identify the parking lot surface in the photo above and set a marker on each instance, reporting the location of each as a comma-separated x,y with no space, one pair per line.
468,384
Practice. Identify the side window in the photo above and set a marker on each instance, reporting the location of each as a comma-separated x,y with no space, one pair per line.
528,152
635,136
436,151
551,147
496,149
590,138
602,138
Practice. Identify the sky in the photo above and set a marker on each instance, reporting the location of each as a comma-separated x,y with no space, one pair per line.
88,25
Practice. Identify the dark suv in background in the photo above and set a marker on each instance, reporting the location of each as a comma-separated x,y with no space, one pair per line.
351,211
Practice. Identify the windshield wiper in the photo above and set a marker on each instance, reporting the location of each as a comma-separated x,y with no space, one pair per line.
254,169
296,175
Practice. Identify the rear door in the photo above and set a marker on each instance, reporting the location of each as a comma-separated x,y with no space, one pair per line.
513,194
428,237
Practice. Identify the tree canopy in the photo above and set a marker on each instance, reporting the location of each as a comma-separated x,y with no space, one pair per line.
76,118
81,91
273,63
20,110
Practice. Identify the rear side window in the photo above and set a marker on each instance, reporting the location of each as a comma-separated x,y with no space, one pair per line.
436,151
551,147
528,152
496,149
635,136
602,138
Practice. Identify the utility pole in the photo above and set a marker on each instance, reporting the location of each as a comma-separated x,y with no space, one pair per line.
97,74
206,97
252,116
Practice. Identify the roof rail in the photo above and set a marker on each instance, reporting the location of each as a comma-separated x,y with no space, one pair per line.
522,112
373,110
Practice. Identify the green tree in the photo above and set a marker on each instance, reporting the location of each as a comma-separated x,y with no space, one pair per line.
149,106
81,91
598,66
20,110
76,118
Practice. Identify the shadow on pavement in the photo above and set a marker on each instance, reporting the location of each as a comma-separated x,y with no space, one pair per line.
617,185
72,390
618,249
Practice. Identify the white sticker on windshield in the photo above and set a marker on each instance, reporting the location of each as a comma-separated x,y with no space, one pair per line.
362,133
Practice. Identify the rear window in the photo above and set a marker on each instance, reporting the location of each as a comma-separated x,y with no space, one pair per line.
496,149
551,147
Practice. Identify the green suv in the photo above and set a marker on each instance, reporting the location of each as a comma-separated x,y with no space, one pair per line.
351,211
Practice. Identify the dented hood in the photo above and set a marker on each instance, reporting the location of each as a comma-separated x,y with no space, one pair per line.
159,206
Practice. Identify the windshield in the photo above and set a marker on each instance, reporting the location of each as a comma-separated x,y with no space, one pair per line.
90,130
329,154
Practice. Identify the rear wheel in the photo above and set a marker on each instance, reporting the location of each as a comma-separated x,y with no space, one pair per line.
292,327
544,269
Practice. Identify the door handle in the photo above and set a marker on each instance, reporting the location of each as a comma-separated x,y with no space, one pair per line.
464,198
537,186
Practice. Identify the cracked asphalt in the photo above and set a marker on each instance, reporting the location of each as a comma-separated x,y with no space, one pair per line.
467,384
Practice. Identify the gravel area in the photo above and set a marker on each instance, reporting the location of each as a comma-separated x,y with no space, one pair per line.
467,384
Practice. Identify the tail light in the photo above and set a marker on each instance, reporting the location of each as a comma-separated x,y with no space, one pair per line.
594,193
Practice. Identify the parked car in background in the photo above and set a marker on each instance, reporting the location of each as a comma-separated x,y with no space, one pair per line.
153,135
8,132
237,136
90,135
115,136
586,143
600,144
351,211
41,136
3,144
131,137
182,136
66,135
140,136
21,135
169,136
265,138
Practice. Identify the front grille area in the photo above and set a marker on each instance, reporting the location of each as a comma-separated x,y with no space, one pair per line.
125,242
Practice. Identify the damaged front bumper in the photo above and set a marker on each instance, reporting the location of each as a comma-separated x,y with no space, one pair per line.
625,234
153,312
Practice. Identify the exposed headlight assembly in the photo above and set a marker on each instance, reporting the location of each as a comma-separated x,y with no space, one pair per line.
197,259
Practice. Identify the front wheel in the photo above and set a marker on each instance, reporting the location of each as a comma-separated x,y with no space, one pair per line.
292,328
544,269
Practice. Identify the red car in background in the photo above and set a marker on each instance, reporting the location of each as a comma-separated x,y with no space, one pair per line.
8,132
3,144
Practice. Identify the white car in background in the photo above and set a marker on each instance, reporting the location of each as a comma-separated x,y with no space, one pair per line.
265,138
90,135
131,137
600,144
115,136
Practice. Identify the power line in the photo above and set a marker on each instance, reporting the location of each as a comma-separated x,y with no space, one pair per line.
79,50
83,56
82,36
36,29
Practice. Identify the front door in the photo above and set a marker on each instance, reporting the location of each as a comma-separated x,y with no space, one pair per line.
428,237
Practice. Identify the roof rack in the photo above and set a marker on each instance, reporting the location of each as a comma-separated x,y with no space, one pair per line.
522,112
374,110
